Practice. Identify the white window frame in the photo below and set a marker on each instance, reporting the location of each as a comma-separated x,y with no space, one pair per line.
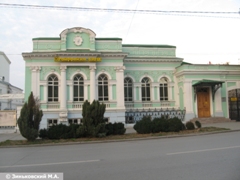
80,85
146,85
128,85
102,83
163,87
51,122
76,121
52,84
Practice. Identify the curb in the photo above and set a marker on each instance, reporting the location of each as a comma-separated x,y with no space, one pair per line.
120,140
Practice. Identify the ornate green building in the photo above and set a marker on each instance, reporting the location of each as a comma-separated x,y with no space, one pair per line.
65,71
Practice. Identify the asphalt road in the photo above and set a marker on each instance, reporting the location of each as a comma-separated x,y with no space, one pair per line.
208,157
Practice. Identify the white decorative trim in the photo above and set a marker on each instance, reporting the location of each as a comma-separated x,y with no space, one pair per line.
140,80
106,73
149,59
92,68
81,73
55,73
127,75
64,33
78,40
166,76
63,68
119,68
35,68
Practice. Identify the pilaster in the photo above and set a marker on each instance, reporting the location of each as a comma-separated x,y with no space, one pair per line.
92,83
120,86
35,80
63,88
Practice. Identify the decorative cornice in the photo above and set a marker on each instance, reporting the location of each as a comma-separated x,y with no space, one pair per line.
150,59
54,54
114,54
119,68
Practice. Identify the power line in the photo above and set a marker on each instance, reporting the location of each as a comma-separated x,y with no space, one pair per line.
111,10
132,20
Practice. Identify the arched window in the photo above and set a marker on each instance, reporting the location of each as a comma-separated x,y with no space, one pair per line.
102,88
146,82
52,88
78,88
128,89
163,89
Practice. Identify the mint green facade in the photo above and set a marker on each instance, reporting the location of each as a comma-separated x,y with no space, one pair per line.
82,54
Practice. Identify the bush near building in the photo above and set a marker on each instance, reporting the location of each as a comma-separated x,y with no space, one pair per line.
198,124
157,125
115,128
190,125
93,120
144,126
30,118
93,125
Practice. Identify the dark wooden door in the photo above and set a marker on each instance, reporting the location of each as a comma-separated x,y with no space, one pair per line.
203,102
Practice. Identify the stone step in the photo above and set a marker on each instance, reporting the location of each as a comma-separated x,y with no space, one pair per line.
211,120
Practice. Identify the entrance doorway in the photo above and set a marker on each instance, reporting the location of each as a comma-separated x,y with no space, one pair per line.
234,104
203,102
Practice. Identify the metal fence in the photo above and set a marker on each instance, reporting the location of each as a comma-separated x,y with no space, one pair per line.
134,115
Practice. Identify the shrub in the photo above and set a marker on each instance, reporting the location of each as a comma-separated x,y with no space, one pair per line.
30,118
198,124
43,133
58,131
93,119
159,125
109,129
174,125
144,126
115,129
118,128
190,125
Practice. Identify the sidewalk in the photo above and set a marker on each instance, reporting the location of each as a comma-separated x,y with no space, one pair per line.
230,125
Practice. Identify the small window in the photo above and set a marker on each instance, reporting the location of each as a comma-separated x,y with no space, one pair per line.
52,122
74,121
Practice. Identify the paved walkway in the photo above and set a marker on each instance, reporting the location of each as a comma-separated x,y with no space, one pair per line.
230,125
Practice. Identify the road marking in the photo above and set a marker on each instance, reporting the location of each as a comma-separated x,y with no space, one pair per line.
47,164
203,150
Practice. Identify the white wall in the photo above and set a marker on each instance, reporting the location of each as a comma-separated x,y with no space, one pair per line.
4,67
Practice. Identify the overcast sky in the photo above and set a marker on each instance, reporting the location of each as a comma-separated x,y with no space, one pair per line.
198,39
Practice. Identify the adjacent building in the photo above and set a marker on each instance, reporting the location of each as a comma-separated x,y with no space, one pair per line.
65,71
8,101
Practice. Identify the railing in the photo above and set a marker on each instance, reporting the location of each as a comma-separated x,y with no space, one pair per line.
129,105
53,106
151,105
134,115
165,104
80,105
144,105
77,105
